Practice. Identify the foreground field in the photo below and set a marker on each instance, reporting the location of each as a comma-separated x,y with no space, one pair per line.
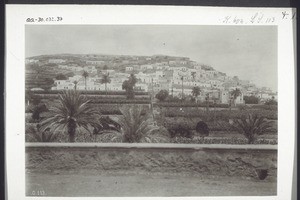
123,183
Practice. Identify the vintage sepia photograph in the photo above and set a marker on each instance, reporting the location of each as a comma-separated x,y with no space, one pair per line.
151,110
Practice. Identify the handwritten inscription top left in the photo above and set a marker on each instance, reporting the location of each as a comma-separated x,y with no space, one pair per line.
44,19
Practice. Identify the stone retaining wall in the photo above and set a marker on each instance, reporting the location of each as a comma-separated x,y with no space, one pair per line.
233,160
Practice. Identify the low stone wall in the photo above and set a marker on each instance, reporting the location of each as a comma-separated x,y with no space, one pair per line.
233,160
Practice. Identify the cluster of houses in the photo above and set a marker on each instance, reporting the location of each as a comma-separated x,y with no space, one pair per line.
178,77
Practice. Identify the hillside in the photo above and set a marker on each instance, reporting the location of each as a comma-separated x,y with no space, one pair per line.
42,70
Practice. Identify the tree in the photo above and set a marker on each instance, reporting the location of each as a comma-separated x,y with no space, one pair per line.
37,110
252,126
132,79
235,93
162,95
85,74
48,83
105,79
128,86
61,77
196,91
71,112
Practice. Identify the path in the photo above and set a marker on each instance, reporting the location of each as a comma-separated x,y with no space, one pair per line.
62,183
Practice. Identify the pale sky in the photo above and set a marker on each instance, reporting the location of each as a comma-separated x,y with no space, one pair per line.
249,52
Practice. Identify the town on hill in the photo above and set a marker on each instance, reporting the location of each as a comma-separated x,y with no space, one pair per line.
177,75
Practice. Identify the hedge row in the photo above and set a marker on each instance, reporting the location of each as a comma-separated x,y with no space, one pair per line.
114,109
119,101
218,114
91,92
190,104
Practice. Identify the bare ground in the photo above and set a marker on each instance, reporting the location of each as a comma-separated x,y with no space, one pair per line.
125,183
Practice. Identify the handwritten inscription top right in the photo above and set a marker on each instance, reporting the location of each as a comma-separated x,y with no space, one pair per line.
258,18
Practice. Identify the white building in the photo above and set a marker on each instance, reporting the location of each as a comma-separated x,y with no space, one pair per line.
129,69
63,85
144,67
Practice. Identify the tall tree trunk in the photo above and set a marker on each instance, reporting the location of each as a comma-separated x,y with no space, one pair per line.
71,131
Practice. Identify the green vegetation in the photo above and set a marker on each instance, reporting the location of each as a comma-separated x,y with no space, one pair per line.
251,126
85,74
115,118
105,79
128,86
196,91
71,112
251,100
162,95
234,94
36,134
136,127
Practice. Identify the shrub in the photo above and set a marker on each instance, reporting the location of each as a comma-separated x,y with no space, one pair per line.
28,118
202,128
36,134
29,108
271,102
179,127
251,99
162,95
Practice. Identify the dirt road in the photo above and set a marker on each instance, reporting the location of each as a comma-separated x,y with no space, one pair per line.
63,183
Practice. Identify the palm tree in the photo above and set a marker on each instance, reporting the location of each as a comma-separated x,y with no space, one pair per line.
85,74
235,93
251,126
71,112
105,79
136,127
